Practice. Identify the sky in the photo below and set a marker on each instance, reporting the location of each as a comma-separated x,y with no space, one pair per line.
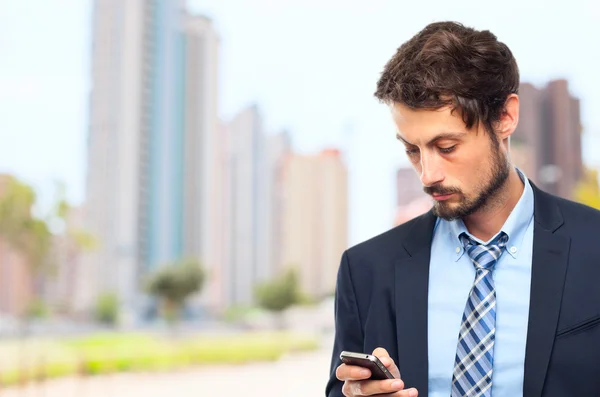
310,65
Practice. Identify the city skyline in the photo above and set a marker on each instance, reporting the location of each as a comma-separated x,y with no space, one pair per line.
169,181
312,119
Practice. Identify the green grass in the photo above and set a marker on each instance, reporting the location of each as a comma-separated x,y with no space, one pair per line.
109,353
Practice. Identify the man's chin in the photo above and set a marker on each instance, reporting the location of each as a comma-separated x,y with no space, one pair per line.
448,211
446,215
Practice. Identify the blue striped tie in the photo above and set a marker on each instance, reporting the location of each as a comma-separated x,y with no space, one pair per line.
474,362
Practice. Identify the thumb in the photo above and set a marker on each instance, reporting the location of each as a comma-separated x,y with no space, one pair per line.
380,353
386,360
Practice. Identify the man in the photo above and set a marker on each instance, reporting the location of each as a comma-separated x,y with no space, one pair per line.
496,290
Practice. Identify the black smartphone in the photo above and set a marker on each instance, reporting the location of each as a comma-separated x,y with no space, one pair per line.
369,361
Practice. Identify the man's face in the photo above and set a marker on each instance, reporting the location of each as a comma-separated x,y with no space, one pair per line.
461,169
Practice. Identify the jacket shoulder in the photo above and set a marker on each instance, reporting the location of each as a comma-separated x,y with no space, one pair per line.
581,211
580,220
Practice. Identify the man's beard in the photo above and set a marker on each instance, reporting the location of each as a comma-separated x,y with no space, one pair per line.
500,172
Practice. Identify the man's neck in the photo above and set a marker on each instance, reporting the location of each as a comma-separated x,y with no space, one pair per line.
486,223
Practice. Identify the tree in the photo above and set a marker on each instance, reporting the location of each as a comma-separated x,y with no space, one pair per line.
79,238
280,293
24,232
32,235
18,227
173,284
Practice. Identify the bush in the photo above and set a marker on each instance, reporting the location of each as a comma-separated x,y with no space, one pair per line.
107,309
173,284
237,313
281,293
37,309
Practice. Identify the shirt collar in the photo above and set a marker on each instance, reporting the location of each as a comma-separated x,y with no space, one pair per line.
515,226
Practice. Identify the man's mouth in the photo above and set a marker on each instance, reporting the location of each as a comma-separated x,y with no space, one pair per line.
441,196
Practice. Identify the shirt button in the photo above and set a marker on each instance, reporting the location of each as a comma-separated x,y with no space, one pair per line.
457,250
513,249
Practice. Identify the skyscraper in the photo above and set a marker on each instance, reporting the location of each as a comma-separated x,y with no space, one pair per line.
246,263
116,153
153,119
251,208
279,148
204,148
315,218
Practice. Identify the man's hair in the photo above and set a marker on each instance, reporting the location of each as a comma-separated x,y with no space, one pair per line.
448,64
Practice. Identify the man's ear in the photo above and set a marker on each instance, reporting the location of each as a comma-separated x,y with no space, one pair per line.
509,118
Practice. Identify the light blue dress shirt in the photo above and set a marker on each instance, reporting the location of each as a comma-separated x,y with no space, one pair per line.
451,277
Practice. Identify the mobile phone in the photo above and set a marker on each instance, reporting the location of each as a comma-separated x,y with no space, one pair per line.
369,361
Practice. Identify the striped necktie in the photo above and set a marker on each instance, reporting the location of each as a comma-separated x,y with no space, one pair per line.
474,363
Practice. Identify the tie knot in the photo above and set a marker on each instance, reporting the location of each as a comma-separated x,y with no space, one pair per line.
484,256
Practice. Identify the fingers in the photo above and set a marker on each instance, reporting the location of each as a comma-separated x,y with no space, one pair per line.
352,372
406,393
372,387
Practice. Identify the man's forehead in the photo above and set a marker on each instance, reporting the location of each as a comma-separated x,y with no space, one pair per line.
443,118
426,125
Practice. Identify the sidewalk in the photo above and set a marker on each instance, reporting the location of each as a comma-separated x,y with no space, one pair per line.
294,376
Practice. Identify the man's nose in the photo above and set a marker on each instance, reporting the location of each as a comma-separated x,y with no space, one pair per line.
431,172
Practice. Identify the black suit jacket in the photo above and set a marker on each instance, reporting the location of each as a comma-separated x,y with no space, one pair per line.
382,290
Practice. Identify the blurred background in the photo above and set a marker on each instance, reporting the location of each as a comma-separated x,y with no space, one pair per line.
178,180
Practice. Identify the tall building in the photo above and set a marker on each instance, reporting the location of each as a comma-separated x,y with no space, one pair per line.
115,123
246,262
204,147
550,130
526,139
279,148
314,218
217,291
163,137
250,212
153,118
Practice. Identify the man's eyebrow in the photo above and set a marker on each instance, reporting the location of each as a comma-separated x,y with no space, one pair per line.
443,135
398,137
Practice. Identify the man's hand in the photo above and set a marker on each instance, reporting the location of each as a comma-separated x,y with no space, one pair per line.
356,383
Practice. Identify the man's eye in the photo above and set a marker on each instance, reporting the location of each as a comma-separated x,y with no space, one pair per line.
447,150
412,152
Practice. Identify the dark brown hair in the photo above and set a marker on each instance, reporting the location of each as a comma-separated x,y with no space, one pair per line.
448,64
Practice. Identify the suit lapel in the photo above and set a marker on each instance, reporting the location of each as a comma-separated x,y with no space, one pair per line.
550,258
411,291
